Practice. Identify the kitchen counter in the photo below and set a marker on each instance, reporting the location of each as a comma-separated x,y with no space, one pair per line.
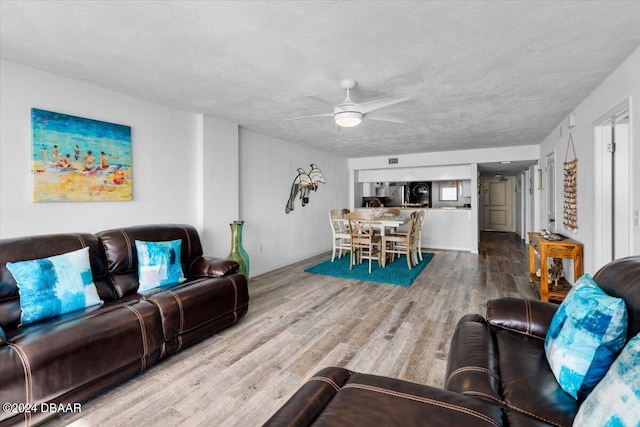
447,208
442,208
444,227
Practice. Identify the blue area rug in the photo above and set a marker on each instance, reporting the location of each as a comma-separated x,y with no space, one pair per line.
395,273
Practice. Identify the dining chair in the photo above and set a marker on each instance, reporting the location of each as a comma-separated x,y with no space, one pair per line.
341,236
402,243
391,211
364,242
417,243
388,212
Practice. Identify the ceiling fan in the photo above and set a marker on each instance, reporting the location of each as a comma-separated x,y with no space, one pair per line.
348,113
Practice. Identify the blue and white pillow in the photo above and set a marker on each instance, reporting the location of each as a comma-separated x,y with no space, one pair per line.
53,286
159,264
585,336
616,399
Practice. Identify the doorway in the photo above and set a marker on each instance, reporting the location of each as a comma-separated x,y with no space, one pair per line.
551,192
498,203
613,177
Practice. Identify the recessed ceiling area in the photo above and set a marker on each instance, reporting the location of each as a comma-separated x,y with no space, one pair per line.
479,74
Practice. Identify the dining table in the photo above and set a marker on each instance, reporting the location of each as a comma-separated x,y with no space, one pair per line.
383,223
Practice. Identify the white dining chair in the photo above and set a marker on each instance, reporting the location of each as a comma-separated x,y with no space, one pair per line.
341,236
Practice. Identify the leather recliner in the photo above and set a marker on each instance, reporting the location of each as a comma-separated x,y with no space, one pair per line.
497,373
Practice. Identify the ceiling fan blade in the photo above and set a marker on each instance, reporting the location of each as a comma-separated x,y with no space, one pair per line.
320,100
365,107
383,117
307,117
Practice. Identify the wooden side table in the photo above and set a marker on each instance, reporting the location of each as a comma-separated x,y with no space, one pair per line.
565,248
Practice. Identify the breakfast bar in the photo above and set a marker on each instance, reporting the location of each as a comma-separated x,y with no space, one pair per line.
444,227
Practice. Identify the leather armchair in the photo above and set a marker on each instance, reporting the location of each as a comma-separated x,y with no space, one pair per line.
497,373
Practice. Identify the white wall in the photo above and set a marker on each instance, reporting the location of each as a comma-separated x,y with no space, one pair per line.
187,168
163,150
219,183
622,84
268,167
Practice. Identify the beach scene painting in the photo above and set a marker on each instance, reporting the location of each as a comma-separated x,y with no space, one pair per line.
79,160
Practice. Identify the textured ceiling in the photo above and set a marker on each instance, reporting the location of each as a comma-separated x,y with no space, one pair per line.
479,74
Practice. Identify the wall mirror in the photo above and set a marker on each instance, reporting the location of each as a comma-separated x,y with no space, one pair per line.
448,191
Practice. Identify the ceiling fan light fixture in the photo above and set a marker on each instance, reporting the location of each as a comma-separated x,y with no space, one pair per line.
347,119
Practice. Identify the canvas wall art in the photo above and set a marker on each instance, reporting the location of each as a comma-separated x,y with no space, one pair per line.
79,160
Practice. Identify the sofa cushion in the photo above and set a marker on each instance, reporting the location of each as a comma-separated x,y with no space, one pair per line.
616,399
61,359
585,336
159,264
621,279
525,316
34,247
528,385
199,307
122,259
54,285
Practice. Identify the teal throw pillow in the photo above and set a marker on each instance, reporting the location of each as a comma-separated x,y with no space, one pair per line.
159,264
616,399
585,336
53,286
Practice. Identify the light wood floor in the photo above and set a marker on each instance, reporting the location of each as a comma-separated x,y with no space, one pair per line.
298,323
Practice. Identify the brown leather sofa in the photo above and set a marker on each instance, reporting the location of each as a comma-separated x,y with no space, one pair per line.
70,358
497,373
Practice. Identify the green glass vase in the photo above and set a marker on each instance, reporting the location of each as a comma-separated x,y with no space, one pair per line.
237,251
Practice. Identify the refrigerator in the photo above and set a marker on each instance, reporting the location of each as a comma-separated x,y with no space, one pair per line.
396,195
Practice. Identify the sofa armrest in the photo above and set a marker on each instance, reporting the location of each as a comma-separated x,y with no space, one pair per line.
310,399
523,316
205,266
473,362
336,396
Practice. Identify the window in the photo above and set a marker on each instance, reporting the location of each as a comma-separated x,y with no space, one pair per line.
448,191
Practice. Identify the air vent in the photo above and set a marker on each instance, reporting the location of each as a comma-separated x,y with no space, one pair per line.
393,160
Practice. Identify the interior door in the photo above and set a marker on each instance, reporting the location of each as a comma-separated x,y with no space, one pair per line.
498,204
614,198
621,190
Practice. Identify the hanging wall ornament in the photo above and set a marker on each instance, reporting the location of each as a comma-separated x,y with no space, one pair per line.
570,206
303,184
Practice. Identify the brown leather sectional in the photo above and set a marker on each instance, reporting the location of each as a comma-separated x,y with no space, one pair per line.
497,373
73,357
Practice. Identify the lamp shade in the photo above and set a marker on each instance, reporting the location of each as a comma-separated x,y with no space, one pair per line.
348,119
